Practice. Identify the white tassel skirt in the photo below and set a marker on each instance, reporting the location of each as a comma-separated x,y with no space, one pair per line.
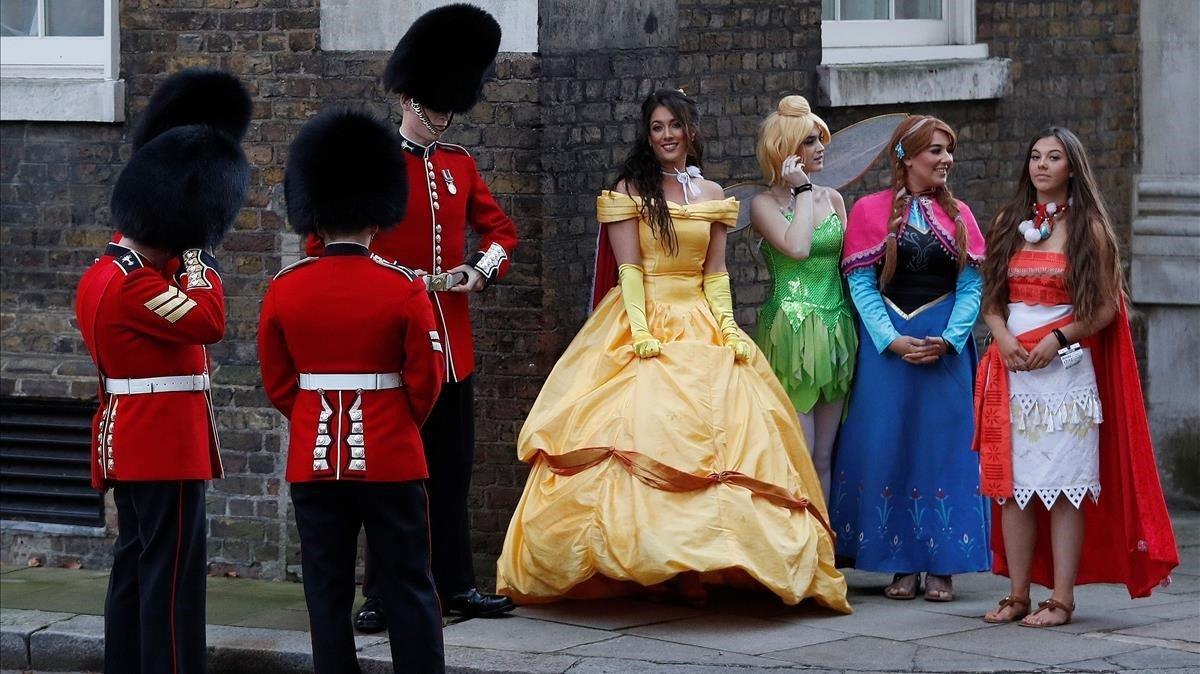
1056,419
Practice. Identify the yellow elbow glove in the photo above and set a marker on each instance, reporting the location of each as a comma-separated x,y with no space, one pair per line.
633,294
720,301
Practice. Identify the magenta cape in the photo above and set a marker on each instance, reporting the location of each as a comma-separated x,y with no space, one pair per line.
866,232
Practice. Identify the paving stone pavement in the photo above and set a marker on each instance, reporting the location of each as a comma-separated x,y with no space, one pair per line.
50,621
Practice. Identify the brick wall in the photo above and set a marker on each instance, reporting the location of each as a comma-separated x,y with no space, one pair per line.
55,181
548,138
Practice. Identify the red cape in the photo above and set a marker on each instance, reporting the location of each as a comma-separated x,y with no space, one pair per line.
1127,537
604,278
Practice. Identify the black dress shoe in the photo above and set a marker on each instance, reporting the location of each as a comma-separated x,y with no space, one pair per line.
474,604
369,619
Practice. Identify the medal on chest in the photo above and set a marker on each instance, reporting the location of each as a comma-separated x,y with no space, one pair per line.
449,180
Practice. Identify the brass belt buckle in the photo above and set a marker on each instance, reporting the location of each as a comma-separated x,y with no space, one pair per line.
437,283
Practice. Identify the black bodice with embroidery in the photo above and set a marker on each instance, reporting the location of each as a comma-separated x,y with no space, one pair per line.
925,270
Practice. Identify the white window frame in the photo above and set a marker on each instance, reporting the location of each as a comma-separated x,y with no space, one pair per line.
895,40
60,78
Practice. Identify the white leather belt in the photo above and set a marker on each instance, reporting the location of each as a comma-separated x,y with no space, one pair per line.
130,387
349,382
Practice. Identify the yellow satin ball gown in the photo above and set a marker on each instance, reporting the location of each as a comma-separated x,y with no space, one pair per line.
645,468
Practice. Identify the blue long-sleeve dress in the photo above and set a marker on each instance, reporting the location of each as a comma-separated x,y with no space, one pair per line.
905,494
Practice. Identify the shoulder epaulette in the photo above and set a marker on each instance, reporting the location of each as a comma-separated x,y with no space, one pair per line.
454,148
396,266
296,265
128,262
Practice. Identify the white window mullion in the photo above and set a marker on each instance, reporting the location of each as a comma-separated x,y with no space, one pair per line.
112,32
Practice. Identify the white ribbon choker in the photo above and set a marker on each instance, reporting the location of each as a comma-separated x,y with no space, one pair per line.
689,179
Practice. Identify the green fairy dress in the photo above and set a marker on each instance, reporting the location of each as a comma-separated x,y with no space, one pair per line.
805,327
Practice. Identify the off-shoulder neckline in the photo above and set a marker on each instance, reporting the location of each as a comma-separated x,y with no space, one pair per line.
672,203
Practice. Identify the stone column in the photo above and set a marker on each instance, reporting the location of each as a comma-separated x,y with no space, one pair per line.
1166,236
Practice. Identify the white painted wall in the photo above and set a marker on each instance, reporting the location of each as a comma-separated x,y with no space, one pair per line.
376,25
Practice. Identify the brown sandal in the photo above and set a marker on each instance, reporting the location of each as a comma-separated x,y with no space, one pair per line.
935,584
1010,600
1047,605
898,590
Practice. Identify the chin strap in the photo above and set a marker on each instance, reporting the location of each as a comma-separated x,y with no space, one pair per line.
420,113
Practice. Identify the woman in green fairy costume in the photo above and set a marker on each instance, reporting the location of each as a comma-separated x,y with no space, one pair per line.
805,327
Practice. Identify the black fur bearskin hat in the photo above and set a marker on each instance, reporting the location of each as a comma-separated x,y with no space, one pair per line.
188,177
345,172
443,58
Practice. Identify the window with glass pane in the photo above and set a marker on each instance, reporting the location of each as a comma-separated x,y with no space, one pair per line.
18,18
880,10
74,18
917,9
52,18
62,39
889,23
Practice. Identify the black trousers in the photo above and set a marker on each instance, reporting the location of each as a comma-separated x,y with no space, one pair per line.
395,515
154,612
449,437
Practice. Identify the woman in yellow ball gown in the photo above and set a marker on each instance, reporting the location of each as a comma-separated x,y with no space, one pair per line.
662,447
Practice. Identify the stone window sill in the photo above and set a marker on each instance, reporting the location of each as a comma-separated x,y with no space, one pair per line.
913,81
62,100
48,529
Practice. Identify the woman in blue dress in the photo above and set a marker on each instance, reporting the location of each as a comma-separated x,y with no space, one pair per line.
905,495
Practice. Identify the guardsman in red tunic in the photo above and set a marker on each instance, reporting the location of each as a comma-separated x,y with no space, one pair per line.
147,308
351,355
437,69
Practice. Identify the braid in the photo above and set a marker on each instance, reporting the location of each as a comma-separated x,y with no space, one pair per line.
946,199
900,201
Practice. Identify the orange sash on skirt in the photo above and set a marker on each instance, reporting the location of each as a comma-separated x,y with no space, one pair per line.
993,414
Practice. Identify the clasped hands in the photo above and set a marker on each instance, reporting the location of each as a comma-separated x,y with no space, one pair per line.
1018,359
919,351
645,345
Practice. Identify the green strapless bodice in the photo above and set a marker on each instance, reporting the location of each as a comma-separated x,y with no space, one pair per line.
809,286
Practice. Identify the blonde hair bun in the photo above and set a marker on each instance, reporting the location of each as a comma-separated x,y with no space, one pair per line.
794,106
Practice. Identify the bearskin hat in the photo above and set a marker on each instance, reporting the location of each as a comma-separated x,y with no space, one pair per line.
187,178
442,60
345,172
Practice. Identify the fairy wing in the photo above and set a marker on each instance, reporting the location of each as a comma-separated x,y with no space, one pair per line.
855,149
852,152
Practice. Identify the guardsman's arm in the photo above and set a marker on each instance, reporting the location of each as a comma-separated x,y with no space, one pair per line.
281,381
497,232
423,362
192,312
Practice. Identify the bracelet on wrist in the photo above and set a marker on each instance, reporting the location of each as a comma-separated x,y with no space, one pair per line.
799,189
1062,339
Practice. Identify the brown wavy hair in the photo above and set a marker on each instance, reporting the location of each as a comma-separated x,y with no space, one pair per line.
641,169
915,135
1093,274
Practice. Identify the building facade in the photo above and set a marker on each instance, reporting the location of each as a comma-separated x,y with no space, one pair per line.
554,124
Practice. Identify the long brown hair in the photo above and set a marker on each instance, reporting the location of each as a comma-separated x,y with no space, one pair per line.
914,136
641,169
1094,275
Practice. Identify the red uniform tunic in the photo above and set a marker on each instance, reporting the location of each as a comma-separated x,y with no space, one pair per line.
139,323
350,313
446,195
